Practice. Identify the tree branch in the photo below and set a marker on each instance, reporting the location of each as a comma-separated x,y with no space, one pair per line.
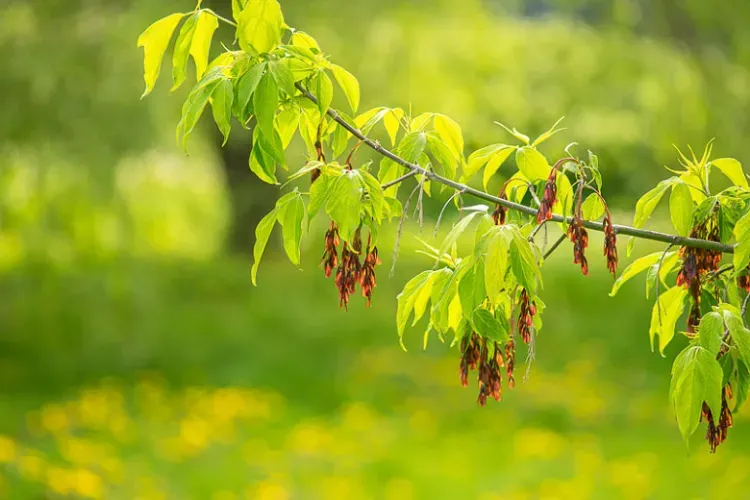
645,234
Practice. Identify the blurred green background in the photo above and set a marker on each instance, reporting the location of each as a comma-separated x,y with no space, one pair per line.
137,361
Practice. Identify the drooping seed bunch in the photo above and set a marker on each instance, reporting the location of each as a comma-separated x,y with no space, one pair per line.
744,280
549,198
510,362
580,239
475,354
349,270
716,433
526,316
610,243
330,255
697,263
500,211
367,277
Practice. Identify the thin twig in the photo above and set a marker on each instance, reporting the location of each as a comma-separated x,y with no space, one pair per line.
442,211
554,246
220,18
407,175
593,225
401,223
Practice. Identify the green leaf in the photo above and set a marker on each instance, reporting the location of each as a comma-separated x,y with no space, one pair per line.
532,164
320,191
323,89
237,6
262,161
291,217
259,26
412,146
743,385
494,164
696,377
348,84
681,209
549,133
478,158
496,263
646,205
344,203
710,332
523,262
182,50
592,207
420,122
741,257
667,310
740,335
365,121
222,99
154,41
456,232
442,154
375,194
265,102
471,291
406,300
287,122
302,39
696,191
283,76
637,267
246,86
515,133
392,123
201,44
262,233
732,169
193,108
450,132
487,326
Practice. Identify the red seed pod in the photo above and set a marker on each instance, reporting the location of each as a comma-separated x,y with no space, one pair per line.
744,281
610,243
549,198
580,239
716,432
510,362
696,262
330,255
367,275
500,211
525,316
348,272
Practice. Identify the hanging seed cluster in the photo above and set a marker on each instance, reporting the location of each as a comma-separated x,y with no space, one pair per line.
526,316
350,271
475,355
580,239
716,433
610,243
696,263
549,198
500,212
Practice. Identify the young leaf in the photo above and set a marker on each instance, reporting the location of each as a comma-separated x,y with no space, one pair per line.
666,312
365,121
412,146
193,108
741,256
494,164
646,205
246,86
408,298
348,84
740,335
710,332
456,232
265,101
732,169
549,133
201,43
287,122
259,26
592,207
450,132
487,326
496,263
283,76
637,267
442,154
344,203
681,209
478,158
420,122
182,50
154,41
323,89
532,164
291,216
523,263
302,39
262,233
222,99
515,133
392,122
696,377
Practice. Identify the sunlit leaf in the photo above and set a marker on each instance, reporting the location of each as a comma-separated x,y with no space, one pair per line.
259,26
494,164
182,50
681,209
221,103
154,41
201,43
664,316
265,102
291,217
262,233
348,84
637,267
696,377
732,169
532,164
450,132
